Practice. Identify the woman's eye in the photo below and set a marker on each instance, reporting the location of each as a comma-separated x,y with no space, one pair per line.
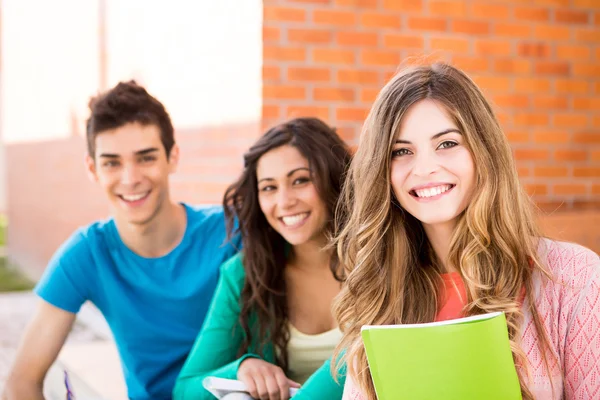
267,188
300,181
447,144
401,152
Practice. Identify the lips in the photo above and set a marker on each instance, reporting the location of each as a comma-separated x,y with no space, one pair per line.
135,197
294,220
431,191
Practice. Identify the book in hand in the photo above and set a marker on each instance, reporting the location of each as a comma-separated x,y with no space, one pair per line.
466,358
221,387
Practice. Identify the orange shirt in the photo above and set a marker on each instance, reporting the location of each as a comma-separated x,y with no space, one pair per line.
455,297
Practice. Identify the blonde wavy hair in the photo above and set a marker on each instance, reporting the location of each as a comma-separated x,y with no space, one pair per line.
394,276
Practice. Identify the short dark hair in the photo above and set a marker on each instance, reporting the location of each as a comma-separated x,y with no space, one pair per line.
126,103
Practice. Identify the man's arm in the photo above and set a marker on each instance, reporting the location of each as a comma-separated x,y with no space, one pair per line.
43,339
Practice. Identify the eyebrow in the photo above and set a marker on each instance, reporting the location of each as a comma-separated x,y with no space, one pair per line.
292,172
437,135
137,153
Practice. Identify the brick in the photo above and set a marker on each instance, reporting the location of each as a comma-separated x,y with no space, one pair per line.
368,95
586,172
586,104
552,68
523,171
531,85
492,47
573,52
270,111
587,137
380,20
282,92
569,188
586,3
333,94
283,14
570,155
334,17
531,119
350,38
550,102
595,189
493,83
311,1
596,156
403,41
308,111
271,34
281,53
552,137
470,27
591,70
570,120
504,119
471,64
380,58
357,3
571,16
511,101
552,2
538,50
597,18
513,30
307,74
354,76
271,73
309,36
518,136
404,5
333,56
531,154
533,14
448,8
551,32
596,122
512,66
488,11
450,44
428,24
551,172
587,35
597,87
536,189
352,114
572,86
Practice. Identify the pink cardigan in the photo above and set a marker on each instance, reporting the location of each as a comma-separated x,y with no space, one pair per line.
569,307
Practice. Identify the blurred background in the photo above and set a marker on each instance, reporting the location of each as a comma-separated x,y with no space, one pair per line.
228,69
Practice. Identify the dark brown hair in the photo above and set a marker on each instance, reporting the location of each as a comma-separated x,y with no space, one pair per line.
263,298
126,103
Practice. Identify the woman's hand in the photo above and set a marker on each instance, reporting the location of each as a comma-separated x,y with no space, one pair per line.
264,380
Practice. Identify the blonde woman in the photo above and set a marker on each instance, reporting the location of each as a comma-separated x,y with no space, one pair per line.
438,227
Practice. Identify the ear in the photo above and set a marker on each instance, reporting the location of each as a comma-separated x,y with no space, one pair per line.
174,159
90,168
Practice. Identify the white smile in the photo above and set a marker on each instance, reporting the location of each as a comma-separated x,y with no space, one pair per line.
292,220
134,197
432,191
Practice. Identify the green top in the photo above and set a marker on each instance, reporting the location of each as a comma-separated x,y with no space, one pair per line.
217,345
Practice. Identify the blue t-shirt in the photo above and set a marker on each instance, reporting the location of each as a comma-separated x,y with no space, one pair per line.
155,307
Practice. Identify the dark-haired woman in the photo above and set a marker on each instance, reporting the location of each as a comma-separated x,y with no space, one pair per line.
270,324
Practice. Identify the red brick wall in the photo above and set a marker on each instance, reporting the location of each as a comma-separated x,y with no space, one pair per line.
49,194
538,63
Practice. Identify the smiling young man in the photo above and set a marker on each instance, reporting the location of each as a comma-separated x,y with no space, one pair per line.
151,269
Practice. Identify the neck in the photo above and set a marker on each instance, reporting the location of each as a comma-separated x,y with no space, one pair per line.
439,236
158,236
310,255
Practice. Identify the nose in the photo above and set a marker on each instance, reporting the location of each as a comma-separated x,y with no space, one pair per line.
425,164
286,198
130,174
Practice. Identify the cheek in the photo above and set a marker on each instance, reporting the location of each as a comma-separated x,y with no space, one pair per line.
398,176
265,204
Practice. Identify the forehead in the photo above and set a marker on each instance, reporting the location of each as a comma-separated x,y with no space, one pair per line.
423,120
128,139
279,161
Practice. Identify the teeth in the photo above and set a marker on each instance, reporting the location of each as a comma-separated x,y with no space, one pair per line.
133,197
433,191
294,219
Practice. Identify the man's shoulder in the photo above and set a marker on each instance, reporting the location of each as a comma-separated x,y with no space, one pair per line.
87,236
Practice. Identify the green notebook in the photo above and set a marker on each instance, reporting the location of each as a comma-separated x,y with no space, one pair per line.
461,359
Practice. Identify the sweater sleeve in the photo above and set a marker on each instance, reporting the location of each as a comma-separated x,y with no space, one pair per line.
322,386
215,351
582,342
